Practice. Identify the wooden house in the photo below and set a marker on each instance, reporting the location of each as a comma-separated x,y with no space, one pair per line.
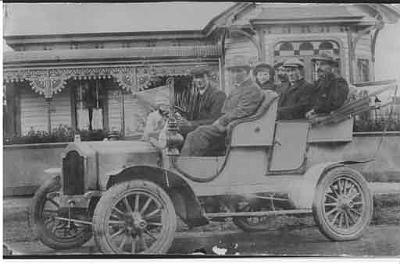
53,80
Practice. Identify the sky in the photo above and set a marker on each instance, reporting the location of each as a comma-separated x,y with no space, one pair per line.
48,18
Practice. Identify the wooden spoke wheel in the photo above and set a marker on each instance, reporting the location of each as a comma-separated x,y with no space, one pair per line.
54,233
343,204
134,217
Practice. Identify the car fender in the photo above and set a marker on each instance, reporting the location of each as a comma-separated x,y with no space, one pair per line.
301,193
186,204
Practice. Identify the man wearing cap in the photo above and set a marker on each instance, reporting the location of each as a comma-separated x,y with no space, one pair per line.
264,76
207,104
296,101
331,88
282,82
244,99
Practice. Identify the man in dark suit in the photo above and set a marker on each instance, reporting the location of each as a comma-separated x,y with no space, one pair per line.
331,89
207,102
243,101
296,100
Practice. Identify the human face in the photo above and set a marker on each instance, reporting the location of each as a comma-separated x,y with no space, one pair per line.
281,72
201,81
238,75
293,74
323,66
262,76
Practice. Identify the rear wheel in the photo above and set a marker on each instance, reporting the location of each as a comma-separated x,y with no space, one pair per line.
343,204
54,233
134,217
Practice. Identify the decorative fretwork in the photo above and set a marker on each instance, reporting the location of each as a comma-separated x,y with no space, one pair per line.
48,82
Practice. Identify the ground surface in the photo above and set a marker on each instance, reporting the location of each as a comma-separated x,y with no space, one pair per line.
293,236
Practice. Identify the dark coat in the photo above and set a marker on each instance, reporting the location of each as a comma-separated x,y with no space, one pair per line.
243,101
205,109
267,86
282,87
296,100
330,94
208,106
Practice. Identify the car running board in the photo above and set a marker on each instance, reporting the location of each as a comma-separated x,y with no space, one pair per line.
264,213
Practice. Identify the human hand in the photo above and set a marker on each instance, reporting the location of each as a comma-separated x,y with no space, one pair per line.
220,127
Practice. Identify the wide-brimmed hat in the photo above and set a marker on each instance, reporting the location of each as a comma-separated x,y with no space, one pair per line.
324,57
293,62
238,62
200,71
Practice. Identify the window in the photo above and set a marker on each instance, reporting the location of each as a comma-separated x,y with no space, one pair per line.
363,70
89,105
305,50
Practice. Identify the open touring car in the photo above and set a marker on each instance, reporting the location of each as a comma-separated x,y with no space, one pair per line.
128,194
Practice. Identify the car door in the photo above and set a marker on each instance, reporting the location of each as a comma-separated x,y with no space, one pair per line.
289,147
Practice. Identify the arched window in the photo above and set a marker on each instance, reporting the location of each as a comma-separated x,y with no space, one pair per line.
326,46
306,46
285,46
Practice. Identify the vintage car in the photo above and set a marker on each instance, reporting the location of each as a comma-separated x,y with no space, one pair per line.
128,194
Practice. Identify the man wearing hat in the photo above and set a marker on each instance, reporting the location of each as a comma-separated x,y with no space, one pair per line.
282,82
244,99
207,103
331,88
264,76
296,101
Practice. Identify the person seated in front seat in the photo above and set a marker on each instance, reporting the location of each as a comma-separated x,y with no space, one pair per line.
207,103
244,99
296,100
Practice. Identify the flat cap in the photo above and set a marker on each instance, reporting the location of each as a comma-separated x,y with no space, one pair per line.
324,57
293,62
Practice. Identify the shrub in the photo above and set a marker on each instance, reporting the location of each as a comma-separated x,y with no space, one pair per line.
62,133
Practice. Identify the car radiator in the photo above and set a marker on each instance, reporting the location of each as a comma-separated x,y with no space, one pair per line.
73,174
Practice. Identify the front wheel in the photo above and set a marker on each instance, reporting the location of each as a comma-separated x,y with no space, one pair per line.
134,217
54,233
343,204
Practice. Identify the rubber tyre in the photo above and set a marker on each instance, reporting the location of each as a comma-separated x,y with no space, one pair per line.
113,195
320,216
36,222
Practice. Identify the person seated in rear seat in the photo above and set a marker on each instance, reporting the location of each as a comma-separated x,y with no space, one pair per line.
296,100
331,89
243,101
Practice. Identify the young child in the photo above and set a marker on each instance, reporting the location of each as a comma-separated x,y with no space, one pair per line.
156,120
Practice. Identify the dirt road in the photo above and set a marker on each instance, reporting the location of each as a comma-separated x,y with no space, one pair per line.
378,241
